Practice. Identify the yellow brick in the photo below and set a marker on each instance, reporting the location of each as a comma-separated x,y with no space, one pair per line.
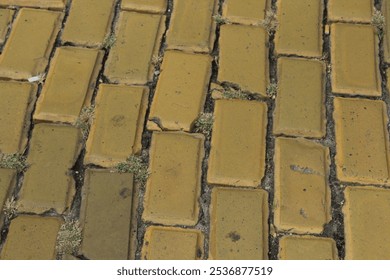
117,126
192,27
300,28
350,10
300,100
48,182
151,6
307,248
239,224
28,48
106,229
89,22
246,12
7,182
31,238
181,90
53,4
355,66
5,20
138,38
302,196
243,57
367,223
69,84
386,41
169,243
17,100
237,156
362,147
173,187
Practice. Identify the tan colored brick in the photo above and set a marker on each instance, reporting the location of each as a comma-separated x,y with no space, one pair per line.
192,27
89,22
181,91
350,10
173,187
386,41
117,126
298,34
302,195
53,4
7,182
138,38
106,229
151,6
300,100
48,182
355,66
169,243
246,12
31,238
21,62
243,57
367,223
5,20
69,84
237,156
362,146
307,248
17,100
239,224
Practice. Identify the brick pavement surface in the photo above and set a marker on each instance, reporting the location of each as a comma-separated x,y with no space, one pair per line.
212,129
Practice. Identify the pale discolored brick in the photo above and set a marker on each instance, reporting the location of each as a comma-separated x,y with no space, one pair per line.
148,6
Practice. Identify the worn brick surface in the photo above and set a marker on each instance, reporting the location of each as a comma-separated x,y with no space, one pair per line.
16,104
386,41
48,182
173,187
237,155
53,4
246,12
298,34
117,126
31,238
69,85
181,91
7,182
307,248
367,223
89,22
243,57
138,38
300,100
19,62
106,229
362,141
151,6
355,66
239,224
169,243
350,10
5,19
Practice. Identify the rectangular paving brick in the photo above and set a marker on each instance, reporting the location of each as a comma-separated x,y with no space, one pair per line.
181,91
69,84
367,223
239,224
237,156
350,10
246,12
138,39
117,126
173,187
243,57
192,26
362,145
5,19
302,195
300,100
355,65
31,238
169,243
7,182
150,6
21,62
386,41
53,4
307,248
48,183
298,34
106,215
89,22
17,101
